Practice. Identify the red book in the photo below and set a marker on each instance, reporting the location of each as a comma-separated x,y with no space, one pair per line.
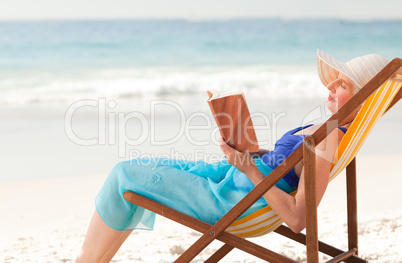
234,121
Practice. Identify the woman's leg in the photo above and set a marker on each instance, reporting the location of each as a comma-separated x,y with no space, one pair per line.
179,184
101,242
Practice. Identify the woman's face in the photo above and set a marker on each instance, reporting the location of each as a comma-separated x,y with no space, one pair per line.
340,91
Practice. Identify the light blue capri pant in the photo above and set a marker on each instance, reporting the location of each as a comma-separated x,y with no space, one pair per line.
199,189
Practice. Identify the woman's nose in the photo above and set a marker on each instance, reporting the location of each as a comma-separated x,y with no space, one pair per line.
331,85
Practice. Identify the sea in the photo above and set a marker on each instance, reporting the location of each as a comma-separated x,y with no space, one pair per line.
76,96
51,62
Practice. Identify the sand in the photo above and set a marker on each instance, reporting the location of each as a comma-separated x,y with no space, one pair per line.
45,220
48,186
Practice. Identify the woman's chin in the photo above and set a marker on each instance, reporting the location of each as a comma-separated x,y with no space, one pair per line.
331,106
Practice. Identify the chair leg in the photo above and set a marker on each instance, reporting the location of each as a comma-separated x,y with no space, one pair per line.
336,253
351,189
311,204
219,254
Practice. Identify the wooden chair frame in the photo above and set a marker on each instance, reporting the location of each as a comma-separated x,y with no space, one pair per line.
306,151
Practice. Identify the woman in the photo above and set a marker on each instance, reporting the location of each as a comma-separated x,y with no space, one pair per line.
208,191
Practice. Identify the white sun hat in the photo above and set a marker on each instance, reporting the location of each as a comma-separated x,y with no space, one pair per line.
360,70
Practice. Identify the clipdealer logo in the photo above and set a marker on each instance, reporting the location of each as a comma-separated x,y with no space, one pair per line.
112,125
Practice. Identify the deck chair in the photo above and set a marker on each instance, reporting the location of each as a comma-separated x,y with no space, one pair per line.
378,95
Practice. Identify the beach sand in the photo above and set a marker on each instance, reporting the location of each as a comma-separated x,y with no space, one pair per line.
49,183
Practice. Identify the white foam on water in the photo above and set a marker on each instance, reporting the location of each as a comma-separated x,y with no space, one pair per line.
61,86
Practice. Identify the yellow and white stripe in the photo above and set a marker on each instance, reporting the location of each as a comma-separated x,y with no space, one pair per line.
266,220
372,110
256,224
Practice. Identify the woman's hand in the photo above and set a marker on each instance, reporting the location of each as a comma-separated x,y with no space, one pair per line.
242,161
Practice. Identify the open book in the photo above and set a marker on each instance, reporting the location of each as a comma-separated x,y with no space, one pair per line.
234,121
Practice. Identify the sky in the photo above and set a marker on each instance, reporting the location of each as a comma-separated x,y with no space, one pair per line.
199,9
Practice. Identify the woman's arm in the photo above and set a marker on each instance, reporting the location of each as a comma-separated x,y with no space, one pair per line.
290,209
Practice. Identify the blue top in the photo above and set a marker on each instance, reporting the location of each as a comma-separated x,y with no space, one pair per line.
342,129
283,148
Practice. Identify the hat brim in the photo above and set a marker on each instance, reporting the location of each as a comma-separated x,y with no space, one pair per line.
328,69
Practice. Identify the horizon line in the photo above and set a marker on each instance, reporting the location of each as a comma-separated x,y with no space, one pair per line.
211,19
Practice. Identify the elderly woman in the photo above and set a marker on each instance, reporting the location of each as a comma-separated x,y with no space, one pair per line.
207,191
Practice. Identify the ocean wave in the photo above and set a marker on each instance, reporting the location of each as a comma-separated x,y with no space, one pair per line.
61,85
